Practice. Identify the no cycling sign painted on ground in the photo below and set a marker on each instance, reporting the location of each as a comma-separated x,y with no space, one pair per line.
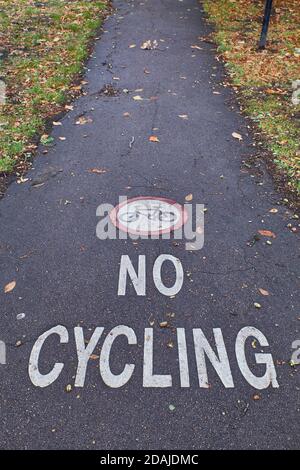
147,217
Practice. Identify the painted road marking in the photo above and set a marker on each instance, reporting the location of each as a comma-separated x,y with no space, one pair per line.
144,216
148,215
138,279
215,354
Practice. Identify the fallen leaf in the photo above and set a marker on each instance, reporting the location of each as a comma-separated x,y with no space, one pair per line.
68,388
46,140
196,47
94,357
10,286
267,233
273,210
98,171
56,123
153,138
20,316
183,116
138,98
163,324
83,120
132,46
256,397
189,197
171,407
148,45
62,138
126,114
257,305
236,135
263,291
22,180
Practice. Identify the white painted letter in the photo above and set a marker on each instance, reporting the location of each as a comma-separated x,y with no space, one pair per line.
84,353
183,358
157,275
38,379
270,376
2,353
138,281
150,380
220,364
110,379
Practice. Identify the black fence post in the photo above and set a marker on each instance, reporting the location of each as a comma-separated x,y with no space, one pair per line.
265,26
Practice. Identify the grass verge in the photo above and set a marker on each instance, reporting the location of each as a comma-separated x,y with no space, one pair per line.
263,79
43,45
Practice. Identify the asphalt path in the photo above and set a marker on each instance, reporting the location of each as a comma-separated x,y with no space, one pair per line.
65,275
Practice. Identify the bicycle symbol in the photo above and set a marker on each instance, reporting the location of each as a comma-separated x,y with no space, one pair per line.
156,215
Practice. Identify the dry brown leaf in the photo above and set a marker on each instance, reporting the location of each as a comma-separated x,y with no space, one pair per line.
267,233
98,171
94,357
274,210
83,120
10,286
189,197
153,138
263,291
256,397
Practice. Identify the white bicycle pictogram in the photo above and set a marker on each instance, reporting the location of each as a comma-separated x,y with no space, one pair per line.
152,214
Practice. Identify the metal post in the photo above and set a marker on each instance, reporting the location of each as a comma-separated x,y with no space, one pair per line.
265,26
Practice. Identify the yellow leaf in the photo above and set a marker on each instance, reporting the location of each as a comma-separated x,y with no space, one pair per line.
138,98
189,197
10,286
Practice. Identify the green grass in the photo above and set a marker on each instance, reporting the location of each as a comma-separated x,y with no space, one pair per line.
45,48
263,79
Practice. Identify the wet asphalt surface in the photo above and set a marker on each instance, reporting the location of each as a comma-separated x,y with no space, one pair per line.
66,276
